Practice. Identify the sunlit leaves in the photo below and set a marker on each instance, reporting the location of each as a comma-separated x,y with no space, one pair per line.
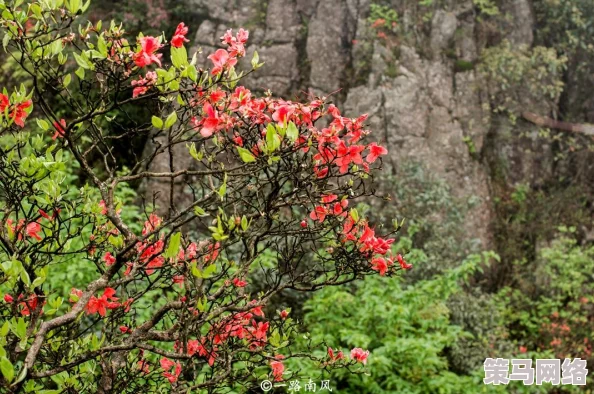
245,155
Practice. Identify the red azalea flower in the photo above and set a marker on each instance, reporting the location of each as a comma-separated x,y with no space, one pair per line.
144,366
109,259
239,283
359,355
126,305
238,140
178,279
329,198
179,37
221,60
125,330
380,265
211,123
101,304
277,368
142,85
29,305
166,364
284,314
19,115
236,44
153,222
348,155
375,151
335,357
282,113
8,298
403,263
44,214
4,103
319,213
60,128
33,230
146,55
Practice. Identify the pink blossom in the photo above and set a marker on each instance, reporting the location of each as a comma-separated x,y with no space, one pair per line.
179,37
359,355
221,61
146,55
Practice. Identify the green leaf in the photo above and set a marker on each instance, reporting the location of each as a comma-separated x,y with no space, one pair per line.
292,132
102,46
80,73
43,124
21,328
355,215
25,278
272,138
7,369
4,330
255,59
179,56
81,62
194,153
36,10
209,271
200,212
5,40
192,74
66,80
244,223
173,247
245,155
196,271
201,303
171,119
223,188
157,122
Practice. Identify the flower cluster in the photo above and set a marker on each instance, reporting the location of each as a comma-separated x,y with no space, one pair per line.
179,37
146,54
19,111
97,304
27,305
142,85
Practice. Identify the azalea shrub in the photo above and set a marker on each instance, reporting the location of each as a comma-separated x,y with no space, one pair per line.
165,301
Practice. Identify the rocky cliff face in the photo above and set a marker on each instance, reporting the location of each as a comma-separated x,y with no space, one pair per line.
424,95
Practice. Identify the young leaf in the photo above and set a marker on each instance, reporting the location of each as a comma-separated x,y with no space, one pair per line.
43,124
157,122
81,62
7,369
223,188
173,247
245,155
292,132
171,119
66,80
200,212
179,56
255,59
209,270
102,46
